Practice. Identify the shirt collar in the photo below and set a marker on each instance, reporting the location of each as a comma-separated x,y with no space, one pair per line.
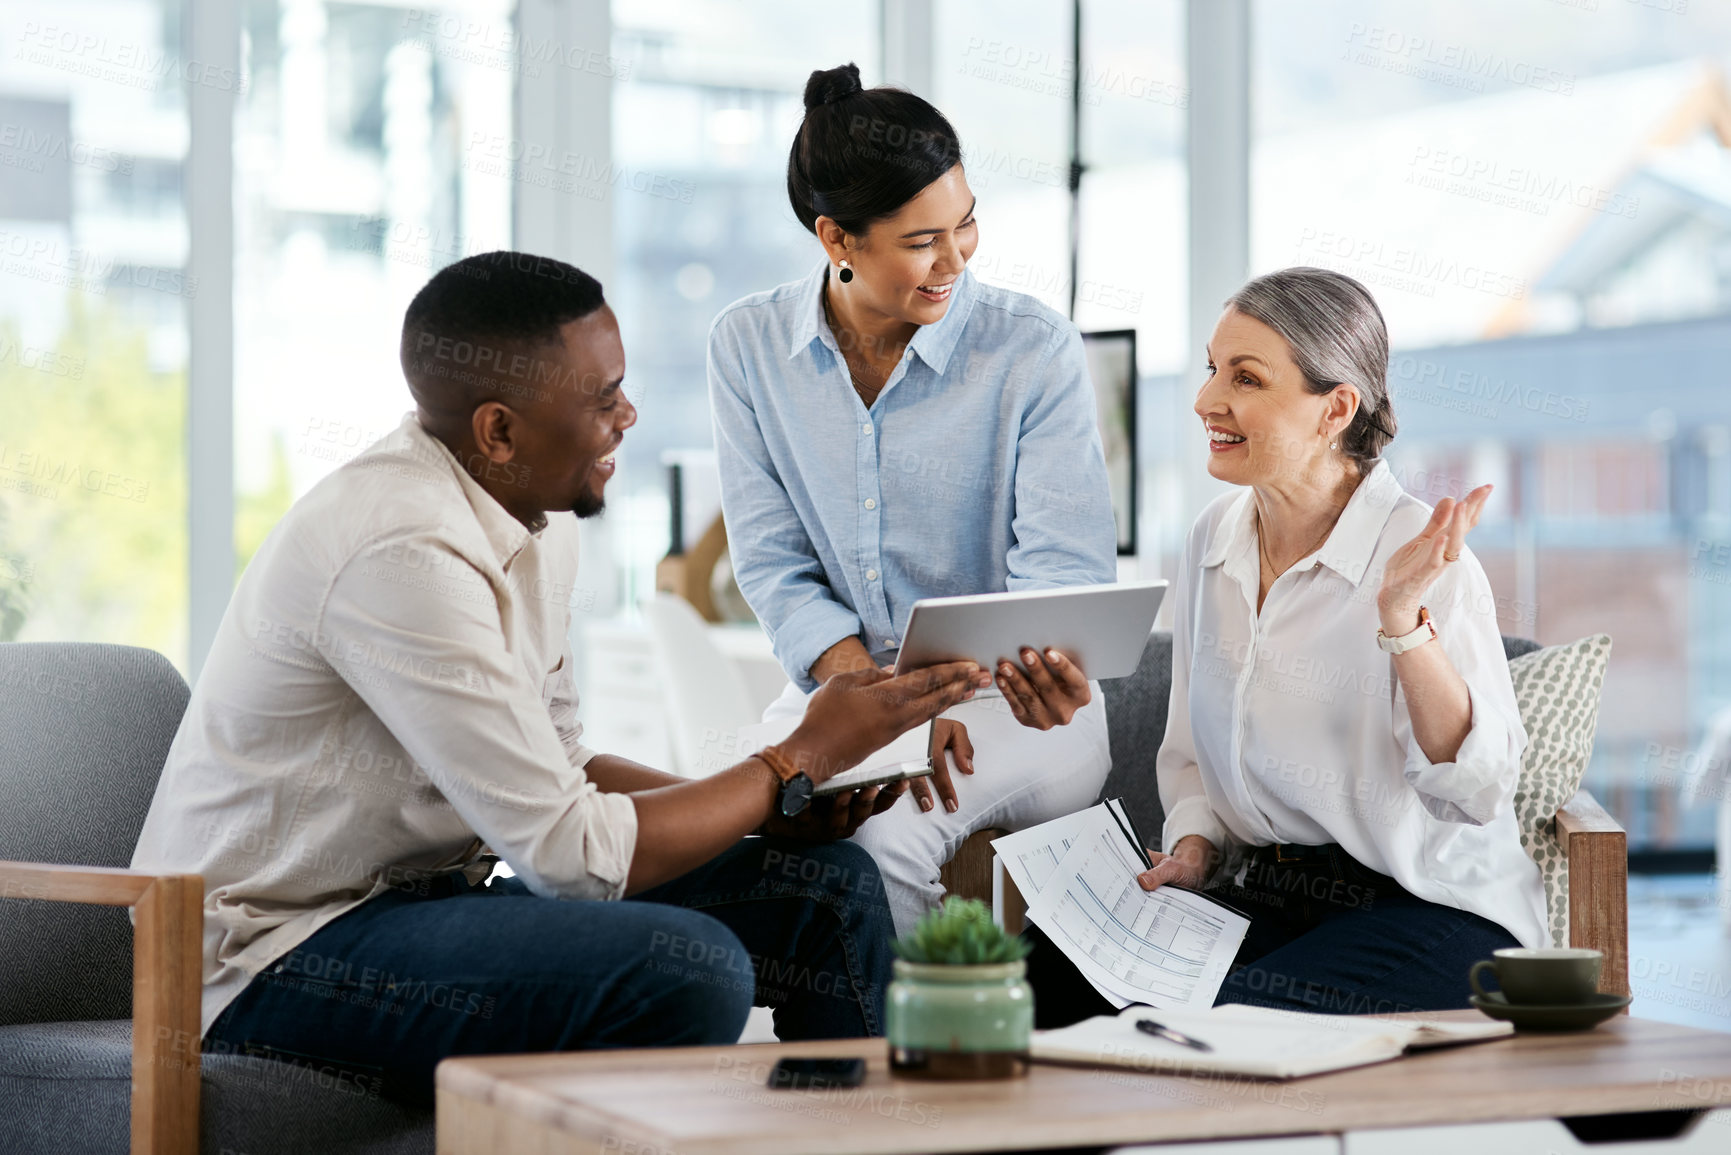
504,533
1350,544
1235,533
935,342
932,343
809,323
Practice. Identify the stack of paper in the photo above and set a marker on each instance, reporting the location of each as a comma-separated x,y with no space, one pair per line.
1166,948
1256,1041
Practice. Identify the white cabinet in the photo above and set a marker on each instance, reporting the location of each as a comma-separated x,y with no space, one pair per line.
622,706
1708,1135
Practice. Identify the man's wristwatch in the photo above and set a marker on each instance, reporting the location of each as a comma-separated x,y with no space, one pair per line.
796,788
1426,632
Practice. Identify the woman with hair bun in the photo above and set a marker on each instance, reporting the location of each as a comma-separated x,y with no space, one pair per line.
888,429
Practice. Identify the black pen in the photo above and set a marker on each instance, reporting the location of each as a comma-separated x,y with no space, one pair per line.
1135,834
1160,1031
1141,851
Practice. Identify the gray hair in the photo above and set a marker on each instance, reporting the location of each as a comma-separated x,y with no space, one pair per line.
1337,336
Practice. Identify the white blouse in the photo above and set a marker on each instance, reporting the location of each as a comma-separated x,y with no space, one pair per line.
1291,726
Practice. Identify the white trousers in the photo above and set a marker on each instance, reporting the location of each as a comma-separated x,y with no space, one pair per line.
1022,777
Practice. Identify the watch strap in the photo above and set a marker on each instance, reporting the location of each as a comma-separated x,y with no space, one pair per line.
1425,632
779,763
794,794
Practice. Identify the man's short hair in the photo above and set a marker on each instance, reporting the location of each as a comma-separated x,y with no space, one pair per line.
461,319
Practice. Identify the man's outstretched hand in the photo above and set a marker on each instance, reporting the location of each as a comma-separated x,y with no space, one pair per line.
857,712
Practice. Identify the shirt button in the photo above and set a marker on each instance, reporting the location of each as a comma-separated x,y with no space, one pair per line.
871,575
889,641
871,503
866,429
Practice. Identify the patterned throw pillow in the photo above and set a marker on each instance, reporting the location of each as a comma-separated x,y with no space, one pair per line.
1557,689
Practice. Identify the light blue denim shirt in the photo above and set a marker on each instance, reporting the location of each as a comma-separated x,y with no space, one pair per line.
977,469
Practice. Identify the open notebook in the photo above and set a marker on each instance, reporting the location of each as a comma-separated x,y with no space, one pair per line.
1255,1041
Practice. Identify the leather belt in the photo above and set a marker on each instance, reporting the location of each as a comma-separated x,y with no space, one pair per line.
1296,852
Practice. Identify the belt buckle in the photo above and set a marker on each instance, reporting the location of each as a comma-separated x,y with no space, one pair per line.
1280,855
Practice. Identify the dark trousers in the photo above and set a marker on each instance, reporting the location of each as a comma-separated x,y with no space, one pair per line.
384,992
1327,935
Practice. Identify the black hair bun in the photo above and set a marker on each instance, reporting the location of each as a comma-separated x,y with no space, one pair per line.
863,164
828,85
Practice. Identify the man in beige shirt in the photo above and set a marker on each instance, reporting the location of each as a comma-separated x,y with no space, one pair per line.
388,708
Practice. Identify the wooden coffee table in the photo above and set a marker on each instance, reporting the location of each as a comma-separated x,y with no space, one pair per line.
712,1100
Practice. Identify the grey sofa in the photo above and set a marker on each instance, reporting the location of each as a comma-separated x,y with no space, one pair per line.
84,732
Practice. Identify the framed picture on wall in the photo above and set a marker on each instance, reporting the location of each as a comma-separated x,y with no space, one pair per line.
1112,367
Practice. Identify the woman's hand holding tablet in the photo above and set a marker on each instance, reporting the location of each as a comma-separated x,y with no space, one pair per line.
1047,693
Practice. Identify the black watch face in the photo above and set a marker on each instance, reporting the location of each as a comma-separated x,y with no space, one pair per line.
795,795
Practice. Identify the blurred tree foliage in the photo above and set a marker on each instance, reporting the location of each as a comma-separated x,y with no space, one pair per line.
16,577
93,489
256,512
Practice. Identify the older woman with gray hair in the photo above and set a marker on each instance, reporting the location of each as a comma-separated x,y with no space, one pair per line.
1343,742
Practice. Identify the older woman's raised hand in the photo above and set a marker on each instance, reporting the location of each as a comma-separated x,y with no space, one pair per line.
1416,565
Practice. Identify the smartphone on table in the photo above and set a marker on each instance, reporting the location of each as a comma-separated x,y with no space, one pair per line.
816,1074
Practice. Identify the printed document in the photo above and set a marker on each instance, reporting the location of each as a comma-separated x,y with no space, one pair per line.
1167,947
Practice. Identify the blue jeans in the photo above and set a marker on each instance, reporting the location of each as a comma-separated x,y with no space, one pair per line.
1327,935
383,993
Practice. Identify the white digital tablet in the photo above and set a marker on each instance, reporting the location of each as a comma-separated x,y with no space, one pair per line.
1101,628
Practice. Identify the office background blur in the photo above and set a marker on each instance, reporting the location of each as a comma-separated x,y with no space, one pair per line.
212,215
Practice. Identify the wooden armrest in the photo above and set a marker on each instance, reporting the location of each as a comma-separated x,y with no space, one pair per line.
968,873
167,981
100,885
1010,900
1582,814
1597,851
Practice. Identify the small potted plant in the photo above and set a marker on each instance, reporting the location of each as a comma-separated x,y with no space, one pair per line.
960,1006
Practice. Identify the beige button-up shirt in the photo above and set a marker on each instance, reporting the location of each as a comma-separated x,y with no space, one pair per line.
390,691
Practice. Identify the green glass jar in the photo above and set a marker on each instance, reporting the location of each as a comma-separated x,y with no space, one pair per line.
960,1022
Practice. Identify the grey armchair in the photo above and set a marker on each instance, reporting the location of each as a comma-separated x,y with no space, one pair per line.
99,1023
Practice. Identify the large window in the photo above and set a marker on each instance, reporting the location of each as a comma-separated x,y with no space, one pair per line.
1001,72
710,96
93,347
1135,98
360,145
1537,194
